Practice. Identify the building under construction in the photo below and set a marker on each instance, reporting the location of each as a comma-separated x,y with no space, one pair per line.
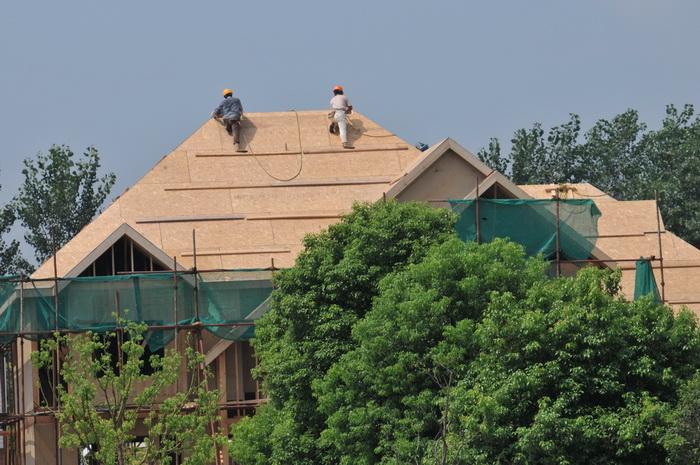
193,244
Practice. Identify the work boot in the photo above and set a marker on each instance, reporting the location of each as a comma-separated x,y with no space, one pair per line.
333,129
236,147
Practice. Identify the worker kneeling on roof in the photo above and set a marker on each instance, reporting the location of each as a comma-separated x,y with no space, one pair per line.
340,106
231,111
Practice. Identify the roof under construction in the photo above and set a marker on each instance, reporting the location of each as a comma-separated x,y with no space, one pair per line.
248,208
204,202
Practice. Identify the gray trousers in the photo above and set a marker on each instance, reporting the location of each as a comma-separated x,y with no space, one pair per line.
233,126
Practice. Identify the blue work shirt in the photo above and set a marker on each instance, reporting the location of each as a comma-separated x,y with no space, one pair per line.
229,108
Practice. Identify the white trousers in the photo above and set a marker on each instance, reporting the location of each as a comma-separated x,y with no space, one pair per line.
339,117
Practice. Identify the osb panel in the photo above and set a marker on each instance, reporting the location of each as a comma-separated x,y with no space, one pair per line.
628,247
197,203
171,169
279,130
407,157
291,232
261,261
244,169
574,191
152,232
368,132
113,210
288,200
351,163
627,217
295,167
681,280
369,193
211,235
208,262
314,130
684,251
206,137
147,201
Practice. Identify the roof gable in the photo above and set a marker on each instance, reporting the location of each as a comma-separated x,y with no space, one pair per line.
448,170
137,239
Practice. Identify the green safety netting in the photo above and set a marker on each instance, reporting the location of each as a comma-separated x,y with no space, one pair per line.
159,300
9,318
644,282
224,304
532,223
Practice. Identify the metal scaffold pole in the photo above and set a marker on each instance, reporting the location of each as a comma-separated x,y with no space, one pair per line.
558,245
56,361
661,252
478,214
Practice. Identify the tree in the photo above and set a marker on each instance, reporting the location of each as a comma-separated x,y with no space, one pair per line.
100,400
11,260
620,157
574,375
315,306
683,436
475,357
386,400
59,197
673,170
383,350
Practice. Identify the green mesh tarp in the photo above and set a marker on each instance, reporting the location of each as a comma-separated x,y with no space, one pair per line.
9,318
532,223
644,282
226,303
161,300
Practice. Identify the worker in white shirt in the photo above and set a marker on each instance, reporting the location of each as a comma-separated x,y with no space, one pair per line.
340,106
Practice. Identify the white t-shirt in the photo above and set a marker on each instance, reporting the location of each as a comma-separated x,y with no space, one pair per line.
339,102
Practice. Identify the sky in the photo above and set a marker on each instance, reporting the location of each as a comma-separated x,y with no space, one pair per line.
134,79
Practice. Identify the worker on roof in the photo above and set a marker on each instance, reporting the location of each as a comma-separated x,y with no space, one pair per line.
340,106
231,111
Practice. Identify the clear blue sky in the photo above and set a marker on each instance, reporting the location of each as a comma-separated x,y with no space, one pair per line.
136,78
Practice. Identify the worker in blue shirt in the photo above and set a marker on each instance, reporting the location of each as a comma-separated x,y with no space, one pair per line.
231,111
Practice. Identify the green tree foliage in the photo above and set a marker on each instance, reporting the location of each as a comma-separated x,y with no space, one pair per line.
620,157
381,399
101,398
59,195
11,260
683,436
315,306
474,357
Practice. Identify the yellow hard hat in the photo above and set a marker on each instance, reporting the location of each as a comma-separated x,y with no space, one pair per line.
227,91
340,88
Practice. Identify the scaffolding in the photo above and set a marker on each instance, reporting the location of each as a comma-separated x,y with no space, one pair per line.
223,303
563,231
